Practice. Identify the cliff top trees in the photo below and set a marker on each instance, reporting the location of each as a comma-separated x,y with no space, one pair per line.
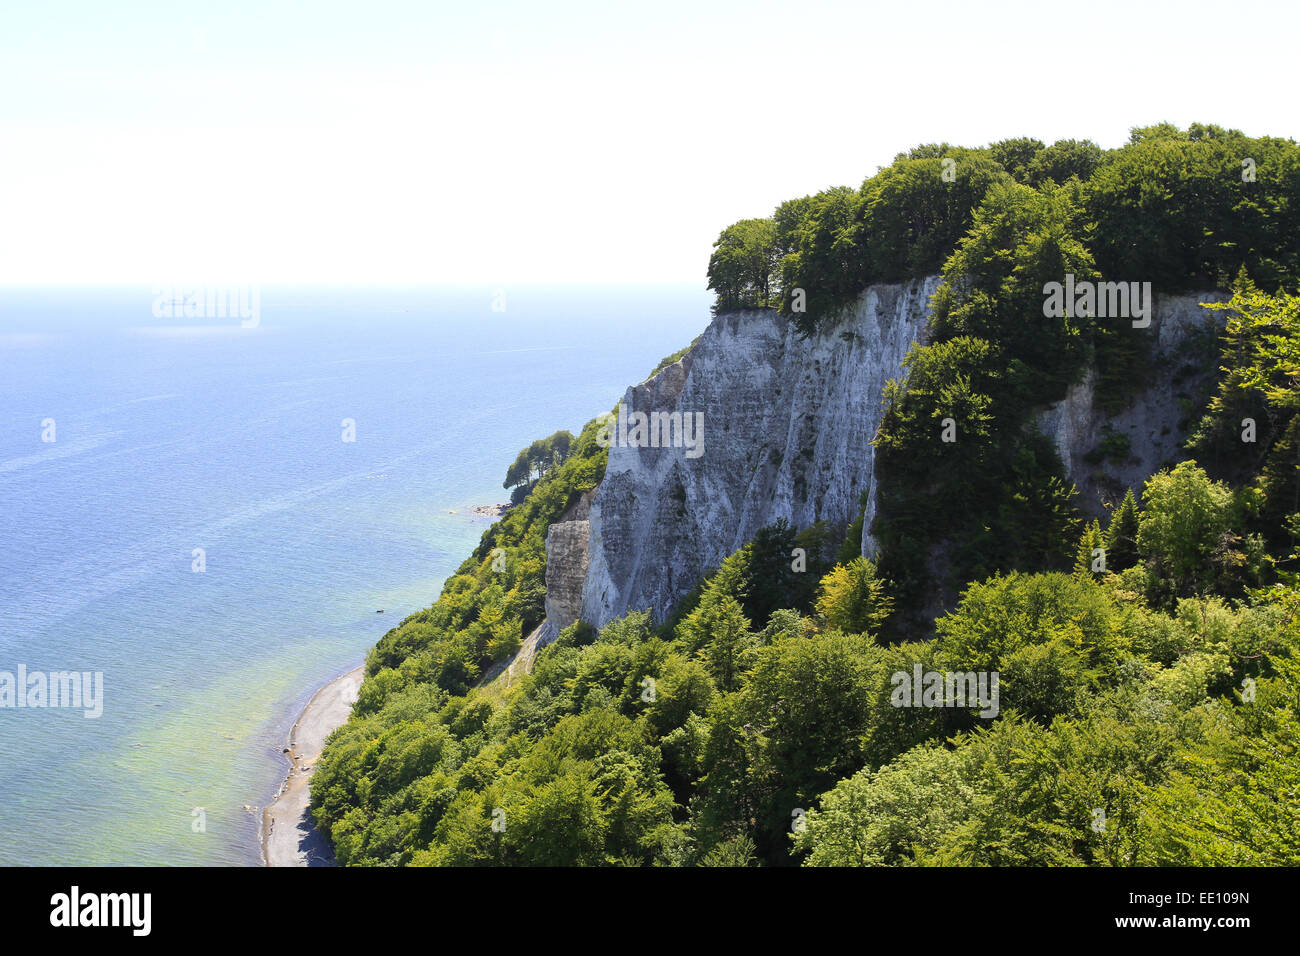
902,223
1017,155
913,213
822,261
742,265
1064,159
1178,208
1032,163
1188,210
1020,239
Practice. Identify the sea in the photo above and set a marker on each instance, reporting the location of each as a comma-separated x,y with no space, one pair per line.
209,509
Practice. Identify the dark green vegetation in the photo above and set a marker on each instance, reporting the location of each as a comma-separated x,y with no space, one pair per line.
535,461
1149,696
1171,207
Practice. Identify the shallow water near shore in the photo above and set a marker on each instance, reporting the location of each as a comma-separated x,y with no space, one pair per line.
175,435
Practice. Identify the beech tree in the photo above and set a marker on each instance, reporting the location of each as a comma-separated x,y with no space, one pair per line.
742,265
853,598
1183,527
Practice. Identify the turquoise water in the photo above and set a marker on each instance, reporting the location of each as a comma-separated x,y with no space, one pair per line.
172,435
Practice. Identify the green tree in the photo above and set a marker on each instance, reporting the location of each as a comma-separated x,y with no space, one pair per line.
1184,528
853,598
824,271
540,457
771,574
1086,556
1062,160
1230,798
896,815
720,624
773,747
910,215
1017,155
999,617
1174,208
743,264
1121,535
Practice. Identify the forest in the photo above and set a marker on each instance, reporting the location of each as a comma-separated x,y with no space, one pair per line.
1149,684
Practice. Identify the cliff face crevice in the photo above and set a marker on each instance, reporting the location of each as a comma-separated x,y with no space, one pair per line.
787,431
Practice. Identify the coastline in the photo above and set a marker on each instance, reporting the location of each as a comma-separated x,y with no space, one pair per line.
287,835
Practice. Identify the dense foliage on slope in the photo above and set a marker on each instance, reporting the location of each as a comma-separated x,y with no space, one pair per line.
994,356
960,464
1142,718
727,739
494,599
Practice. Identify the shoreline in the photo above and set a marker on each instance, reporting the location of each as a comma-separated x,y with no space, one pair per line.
286,835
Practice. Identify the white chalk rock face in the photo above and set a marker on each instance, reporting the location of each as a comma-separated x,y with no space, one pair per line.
787,425
566,567
1153,423
786,433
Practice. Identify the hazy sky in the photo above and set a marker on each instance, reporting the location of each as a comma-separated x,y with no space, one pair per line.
563,141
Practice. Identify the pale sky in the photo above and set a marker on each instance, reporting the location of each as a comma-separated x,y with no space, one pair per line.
414,142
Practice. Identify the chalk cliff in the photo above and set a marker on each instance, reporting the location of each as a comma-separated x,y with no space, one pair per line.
787,434
788,424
